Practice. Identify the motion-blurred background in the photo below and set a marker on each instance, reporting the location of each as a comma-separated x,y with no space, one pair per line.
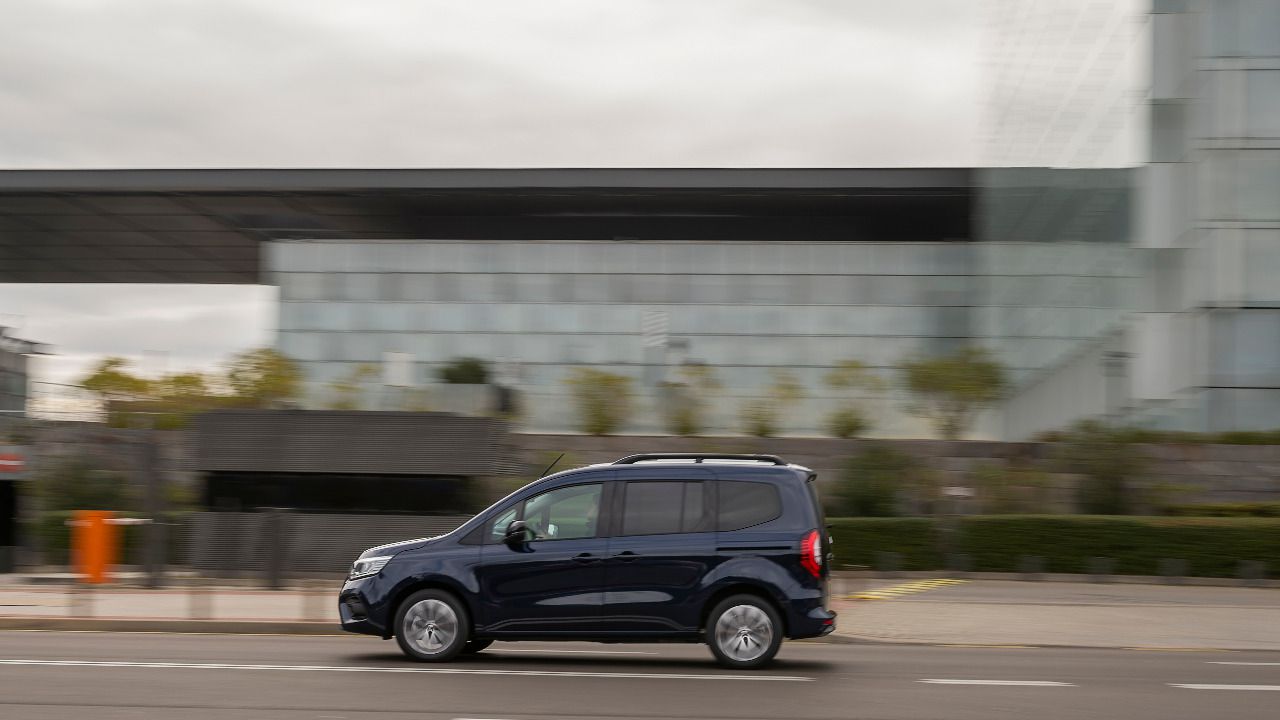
1005,273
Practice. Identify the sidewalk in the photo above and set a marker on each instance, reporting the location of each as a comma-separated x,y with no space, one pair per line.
971,612
179,609
987,612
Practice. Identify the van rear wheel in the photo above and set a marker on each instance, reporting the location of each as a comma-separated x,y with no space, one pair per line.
744,632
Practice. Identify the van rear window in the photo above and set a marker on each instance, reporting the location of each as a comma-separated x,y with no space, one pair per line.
812,484
744,504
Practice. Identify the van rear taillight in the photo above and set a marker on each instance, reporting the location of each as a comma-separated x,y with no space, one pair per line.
811,553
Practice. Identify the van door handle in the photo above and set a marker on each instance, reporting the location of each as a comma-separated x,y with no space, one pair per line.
626,556
585,558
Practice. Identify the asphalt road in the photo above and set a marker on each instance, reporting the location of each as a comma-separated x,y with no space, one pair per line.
105,676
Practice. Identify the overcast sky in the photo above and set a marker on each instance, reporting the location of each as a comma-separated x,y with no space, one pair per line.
464,83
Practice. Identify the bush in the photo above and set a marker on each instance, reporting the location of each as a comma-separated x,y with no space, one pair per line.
1212,547
465,371
870,482
847,423
759,418
1243,509
762,417
1178,437
684,402
1107,464
603,400
857,540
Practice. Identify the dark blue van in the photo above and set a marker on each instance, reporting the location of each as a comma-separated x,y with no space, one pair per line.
729,550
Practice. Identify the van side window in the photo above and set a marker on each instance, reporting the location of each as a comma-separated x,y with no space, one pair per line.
664,507
745,504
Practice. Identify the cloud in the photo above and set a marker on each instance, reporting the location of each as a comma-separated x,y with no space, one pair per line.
488,83
431,83
161,328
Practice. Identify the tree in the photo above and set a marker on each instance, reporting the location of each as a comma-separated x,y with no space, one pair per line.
188,385
263,378
347,389
685,405
761,417
112,381
164,403
465,371
603,399
847,379
950,390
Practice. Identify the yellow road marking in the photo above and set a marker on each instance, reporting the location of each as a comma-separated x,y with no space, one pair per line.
893,591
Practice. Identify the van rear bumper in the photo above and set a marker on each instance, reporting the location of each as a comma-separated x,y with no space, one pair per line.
814,622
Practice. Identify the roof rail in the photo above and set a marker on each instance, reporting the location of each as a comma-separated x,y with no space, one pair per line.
698,457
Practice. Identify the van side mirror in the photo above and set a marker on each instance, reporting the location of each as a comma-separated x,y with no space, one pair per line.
517,534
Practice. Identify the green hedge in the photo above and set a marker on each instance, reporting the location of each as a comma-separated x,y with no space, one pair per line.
857,540
1212,546
1240,509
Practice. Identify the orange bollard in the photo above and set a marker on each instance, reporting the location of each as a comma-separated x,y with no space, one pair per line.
93,545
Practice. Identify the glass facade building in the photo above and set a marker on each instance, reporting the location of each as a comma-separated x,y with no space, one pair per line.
541,308
1028,287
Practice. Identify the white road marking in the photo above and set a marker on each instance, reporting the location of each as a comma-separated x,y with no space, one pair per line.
573,652
1237,662
425,671
1016,683
1192,686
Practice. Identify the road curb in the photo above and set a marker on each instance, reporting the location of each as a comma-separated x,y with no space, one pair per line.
227,627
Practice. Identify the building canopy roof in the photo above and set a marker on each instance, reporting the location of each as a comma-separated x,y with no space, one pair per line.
206,226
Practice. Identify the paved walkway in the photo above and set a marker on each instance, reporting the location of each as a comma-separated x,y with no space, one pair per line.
977,612
1065,614
314,605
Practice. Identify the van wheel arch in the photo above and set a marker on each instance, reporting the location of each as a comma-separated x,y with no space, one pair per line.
403,594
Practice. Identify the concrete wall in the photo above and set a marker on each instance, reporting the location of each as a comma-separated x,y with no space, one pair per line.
237,544
1191,473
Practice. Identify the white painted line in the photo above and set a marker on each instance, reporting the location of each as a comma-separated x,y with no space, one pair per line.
1237,662
418,670
1015,683
1190,686
570,652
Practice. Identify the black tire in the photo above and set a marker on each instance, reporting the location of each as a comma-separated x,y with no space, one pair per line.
750,636
425,630
474,646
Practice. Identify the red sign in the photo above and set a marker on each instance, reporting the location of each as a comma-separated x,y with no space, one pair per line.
10,463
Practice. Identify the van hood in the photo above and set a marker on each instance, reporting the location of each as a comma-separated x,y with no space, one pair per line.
399,547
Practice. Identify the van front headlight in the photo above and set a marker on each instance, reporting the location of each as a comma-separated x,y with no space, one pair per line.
364,567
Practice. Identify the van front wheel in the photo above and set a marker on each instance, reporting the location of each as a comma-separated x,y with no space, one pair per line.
432,626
